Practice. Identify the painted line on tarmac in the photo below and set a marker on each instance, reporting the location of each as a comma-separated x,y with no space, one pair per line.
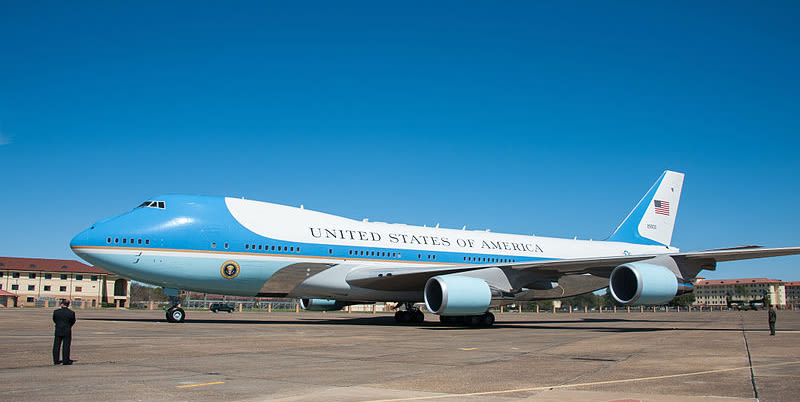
200,385
586,384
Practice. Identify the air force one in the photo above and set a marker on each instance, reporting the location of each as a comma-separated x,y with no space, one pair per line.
248,248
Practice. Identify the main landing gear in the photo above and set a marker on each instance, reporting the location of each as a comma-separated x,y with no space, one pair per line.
175,313
484,320
411,314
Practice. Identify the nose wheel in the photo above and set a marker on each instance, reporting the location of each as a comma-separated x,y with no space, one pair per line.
175,314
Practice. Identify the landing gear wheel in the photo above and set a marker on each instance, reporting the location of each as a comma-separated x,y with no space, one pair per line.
175,314
418,317
487,319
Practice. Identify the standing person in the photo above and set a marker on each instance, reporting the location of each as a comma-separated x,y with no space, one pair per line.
64,319
773,316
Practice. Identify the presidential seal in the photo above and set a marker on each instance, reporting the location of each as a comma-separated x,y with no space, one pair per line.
229,270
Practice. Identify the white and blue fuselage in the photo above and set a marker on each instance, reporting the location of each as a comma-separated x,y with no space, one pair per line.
182,241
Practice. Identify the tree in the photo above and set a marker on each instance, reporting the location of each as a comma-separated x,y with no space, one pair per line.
144,293
684,300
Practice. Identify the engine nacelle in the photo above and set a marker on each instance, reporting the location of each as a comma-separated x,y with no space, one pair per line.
642,283
322,304
457,295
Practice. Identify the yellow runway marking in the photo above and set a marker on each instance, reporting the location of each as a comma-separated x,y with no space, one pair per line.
469,348
199,385
585,384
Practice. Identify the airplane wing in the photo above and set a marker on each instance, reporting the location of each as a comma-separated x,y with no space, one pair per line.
414,278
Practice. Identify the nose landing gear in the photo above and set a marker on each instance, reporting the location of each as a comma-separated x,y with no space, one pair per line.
175,313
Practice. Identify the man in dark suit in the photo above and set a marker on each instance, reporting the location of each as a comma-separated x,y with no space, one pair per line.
64,319
773,316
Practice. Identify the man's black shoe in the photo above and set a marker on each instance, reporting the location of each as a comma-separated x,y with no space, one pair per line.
67,363
57,363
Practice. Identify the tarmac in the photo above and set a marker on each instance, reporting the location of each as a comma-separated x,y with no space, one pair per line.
124,355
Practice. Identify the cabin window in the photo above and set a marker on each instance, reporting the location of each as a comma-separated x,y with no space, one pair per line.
146,241
108,240
124,240
259,247
138,241
330,251
246,246
213,244
291,249
225,245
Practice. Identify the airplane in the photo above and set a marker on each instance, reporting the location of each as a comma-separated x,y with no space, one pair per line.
241,247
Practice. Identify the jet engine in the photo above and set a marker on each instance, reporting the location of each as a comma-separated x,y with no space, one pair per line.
639,283
322,304
457,295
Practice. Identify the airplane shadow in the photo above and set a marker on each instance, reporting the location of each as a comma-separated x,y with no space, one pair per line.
587,324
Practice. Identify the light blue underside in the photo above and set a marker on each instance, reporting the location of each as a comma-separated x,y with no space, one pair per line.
191,272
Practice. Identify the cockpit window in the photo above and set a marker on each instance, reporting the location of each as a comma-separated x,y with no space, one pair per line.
152,204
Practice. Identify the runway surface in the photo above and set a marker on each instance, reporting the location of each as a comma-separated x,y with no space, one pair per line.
135,355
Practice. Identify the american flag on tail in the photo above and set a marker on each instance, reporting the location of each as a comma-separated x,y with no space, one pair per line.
661,207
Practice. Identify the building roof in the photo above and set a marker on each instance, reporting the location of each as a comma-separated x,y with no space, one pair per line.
741,281
4,293
792,283
47,265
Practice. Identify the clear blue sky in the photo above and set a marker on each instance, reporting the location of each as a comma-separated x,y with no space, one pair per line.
523,117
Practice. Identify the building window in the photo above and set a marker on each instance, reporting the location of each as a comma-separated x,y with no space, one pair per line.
14,287
94,277
62,288
30,300
78,289
78,277
31,276
1,274
46,288
48,276
63,277
15,275
31,287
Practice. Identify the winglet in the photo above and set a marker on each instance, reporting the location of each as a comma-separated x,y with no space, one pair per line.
653,219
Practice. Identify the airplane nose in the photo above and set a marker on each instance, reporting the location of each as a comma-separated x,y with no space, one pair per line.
81,239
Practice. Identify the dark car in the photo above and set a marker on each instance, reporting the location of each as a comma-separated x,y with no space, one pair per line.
215,307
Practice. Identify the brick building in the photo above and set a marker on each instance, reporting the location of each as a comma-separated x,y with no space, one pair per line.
792,293
33,281
717,292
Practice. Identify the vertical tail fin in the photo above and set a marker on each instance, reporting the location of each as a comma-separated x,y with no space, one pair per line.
653,218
